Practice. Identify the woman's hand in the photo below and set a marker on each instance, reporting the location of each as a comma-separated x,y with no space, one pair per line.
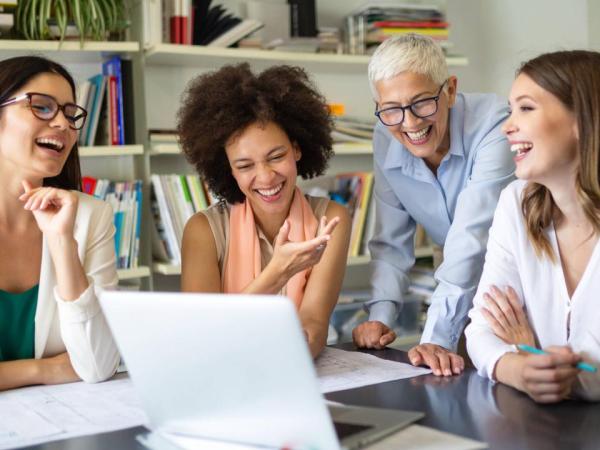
505,315
293,257
54,209
549,378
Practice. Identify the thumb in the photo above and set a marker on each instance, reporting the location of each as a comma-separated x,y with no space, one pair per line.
284,231
26,185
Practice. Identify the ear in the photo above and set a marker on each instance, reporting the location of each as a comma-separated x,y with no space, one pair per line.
297,152
451,89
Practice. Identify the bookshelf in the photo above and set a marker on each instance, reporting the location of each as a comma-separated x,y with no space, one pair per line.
67,51
111,150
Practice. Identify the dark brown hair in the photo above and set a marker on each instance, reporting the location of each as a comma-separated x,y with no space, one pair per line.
219,105
574,78
14,74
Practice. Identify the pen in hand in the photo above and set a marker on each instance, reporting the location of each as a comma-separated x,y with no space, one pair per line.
536,351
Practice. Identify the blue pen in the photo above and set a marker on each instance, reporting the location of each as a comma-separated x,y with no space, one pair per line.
536,351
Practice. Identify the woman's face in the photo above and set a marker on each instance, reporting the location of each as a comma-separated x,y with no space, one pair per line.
428,137
263,162
542,132
31,147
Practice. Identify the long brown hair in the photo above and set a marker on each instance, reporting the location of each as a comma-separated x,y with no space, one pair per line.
574,78
14,74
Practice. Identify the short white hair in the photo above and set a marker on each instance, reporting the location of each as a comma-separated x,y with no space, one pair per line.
407,53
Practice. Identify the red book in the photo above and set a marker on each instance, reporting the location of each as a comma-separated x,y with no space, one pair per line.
88,184
175,29
113,111
404,24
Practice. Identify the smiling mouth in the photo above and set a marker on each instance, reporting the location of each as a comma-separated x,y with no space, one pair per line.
270,192
521,148
51,144
419,137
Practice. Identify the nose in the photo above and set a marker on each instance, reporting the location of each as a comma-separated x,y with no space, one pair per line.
508,126
264,172
60,121
410,119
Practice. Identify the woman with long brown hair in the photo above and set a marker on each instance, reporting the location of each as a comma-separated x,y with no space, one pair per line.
540,282
57,243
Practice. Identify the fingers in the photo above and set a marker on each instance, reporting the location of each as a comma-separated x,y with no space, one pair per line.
513,298
369,334
496,326
439,360
500,300
26,185
387,338
327,228
284,231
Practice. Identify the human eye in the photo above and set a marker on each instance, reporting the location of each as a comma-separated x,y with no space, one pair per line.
243,167
277,157
526,108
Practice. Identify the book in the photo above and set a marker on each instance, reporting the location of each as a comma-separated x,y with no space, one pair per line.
233,35
99,82
112,67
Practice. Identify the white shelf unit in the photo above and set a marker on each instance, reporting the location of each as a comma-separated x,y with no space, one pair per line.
345,148
67,51
134,272
111,150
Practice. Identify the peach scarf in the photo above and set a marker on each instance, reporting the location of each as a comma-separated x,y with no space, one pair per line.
243,259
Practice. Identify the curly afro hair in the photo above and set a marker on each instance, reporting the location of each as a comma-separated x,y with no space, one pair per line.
219,105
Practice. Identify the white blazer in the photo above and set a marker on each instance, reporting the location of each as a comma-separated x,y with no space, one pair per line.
79,327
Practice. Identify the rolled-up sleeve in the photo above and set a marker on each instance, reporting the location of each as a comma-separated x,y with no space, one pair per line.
85,333
465,244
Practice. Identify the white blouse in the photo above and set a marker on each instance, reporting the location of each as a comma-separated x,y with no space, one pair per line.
540,284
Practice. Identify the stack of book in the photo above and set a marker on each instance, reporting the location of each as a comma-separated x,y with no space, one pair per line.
350,129
372,23
125,198
108,99
175,198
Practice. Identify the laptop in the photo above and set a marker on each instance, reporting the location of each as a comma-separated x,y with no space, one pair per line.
233,368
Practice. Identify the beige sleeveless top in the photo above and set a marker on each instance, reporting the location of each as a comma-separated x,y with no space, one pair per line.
218,219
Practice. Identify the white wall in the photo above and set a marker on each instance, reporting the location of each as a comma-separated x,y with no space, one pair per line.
498,36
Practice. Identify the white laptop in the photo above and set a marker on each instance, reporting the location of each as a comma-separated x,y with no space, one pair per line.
233,368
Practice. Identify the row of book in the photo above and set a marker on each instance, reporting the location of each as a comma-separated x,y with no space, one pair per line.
373,22
125,198
175,198
196,22
108,99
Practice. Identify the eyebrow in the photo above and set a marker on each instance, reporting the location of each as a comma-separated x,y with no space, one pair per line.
279,147
524,96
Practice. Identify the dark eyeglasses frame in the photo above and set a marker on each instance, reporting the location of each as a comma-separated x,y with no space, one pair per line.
70,119
435,98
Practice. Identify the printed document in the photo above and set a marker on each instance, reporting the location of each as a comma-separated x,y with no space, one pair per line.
39,414
339,370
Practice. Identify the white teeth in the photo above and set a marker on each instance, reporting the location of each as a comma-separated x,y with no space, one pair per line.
417,135
521,146
269,192
57,144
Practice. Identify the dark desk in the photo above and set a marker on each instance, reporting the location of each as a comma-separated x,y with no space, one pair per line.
467,405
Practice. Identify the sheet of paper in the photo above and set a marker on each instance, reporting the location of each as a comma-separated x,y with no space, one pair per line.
424,438
340,369
39,414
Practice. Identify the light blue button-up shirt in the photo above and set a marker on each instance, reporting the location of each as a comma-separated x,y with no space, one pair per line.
455,207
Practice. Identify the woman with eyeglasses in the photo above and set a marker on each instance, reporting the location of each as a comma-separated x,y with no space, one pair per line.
541,280
250,137
57,243
440,160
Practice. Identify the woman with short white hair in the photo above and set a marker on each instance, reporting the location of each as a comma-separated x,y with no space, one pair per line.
440,160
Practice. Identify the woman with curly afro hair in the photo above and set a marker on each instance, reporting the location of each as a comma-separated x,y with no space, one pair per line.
249,136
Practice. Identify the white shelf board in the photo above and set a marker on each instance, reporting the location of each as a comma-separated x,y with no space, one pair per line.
199,56
345,148
420,252
166,268
67,51
136,272
164,149
111,150
353,148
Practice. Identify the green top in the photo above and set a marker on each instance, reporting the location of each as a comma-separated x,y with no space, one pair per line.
17,324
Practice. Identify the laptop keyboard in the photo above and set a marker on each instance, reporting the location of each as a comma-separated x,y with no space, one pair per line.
343,430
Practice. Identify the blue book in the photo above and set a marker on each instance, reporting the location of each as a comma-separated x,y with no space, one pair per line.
113,67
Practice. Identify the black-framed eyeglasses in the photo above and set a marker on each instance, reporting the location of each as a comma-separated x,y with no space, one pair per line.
45,107
422,108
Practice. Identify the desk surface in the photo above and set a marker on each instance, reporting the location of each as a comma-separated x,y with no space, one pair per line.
467,405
